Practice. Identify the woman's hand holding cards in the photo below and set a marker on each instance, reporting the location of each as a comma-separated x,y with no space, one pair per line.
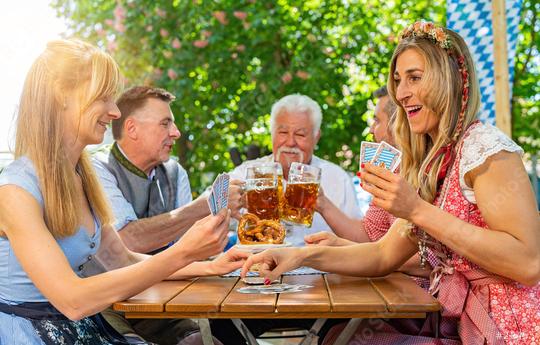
207,237
390,191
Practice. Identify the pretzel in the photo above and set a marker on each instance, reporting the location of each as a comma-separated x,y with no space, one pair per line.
252,230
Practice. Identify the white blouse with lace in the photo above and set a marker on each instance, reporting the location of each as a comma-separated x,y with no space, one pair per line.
482,141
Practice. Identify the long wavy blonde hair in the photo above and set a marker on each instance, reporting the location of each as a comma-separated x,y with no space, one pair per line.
441,92
65,67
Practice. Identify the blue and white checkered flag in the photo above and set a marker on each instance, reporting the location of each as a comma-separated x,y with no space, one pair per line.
472,20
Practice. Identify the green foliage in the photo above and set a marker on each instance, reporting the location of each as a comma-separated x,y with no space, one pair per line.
526,90
228,61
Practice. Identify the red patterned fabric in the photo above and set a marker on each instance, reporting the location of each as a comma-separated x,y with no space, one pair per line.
377,222
478,307
489,308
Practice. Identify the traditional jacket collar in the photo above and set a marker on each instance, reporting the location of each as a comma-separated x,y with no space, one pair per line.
122,159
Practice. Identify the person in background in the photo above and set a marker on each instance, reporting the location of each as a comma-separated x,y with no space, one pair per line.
376,222
295,125
149,192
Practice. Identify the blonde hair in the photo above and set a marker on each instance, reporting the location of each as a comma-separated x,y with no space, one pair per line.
64,66
441,93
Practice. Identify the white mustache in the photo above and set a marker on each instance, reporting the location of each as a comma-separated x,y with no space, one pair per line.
293,150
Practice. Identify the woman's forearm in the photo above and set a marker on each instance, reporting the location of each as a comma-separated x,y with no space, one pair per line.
364,259
195,269
95,293
370,259
330,259
494,250
341,242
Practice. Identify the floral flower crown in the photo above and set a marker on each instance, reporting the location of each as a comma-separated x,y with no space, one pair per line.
438,36
427,30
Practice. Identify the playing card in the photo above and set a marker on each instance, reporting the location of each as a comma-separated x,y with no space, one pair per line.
387,156
256,280
367,152
223,199
274,288
212,203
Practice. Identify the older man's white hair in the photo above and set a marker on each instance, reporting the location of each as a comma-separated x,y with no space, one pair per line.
297,103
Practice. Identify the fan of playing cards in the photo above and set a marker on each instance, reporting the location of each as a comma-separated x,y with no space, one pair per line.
380,154
219,195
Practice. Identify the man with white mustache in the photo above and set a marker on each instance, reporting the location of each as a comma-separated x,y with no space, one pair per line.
295,123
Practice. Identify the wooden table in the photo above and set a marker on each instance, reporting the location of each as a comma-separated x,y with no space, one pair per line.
332,296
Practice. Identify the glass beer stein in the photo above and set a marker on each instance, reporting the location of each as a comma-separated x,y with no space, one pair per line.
301,194
264,190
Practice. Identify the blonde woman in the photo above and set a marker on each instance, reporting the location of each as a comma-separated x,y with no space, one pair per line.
54,219
462,193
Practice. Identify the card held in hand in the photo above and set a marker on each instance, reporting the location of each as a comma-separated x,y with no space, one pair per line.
219,194
223,196
367,152
387,156
211,203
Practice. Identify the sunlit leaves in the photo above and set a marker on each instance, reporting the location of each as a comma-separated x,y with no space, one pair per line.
526,90
227,61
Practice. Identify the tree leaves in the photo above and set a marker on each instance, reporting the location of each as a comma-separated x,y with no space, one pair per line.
526,90
228,61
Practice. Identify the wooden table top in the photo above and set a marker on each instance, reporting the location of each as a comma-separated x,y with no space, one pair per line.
332,296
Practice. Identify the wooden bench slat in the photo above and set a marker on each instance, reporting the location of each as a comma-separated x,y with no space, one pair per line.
353,294
154,298
314,299
204,295
402,294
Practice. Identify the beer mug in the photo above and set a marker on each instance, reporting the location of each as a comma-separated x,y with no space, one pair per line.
264,185
268,169
301,194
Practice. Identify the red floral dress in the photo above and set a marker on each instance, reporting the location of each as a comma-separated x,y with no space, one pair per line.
478,307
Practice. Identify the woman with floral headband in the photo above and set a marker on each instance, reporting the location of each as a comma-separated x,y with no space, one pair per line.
462,193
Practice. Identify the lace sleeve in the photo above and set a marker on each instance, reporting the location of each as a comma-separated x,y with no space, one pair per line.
482,142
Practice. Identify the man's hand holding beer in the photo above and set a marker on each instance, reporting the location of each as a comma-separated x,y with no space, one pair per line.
236,198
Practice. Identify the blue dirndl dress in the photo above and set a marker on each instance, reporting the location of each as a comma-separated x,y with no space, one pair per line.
26,316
